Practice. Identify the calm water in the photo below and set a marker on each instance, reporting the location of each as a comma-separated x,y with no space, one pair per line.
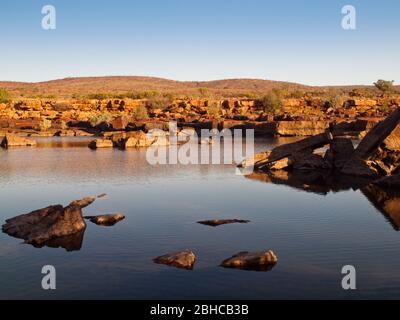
313,234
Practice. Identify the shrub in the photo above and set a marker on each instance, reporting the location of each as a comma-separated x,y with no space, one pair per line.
272,103
98,96
45,125
140,113
384,85
100,118
5,96
160,102
336,101
214,110
296,94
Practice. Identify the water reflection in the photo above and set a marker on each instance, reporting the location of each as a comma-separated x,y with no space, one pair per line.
386,201
69,243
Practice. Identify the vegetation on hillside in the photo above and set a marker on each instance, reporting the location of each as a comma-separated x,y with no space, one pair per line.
384,85
5,96
272,103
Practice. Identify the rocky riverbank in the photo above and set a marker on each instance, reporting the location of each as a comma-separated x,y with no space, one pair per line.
298,117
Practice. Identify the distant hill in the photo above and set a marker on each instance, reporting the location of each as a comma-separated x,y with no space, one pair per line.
125,84
114,85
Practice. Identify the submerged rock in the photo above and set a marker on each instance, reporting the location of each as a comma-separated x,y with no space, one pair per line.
15,141
183,259
106,219
216,223
41,226
257,261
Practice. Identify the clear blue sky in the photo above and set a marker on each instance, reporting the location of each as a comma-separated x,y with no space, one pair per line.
290,40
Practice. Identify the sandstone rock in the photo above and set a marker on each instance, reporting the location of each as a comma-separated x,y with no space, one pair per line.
377,136
119,123
258,261
101,144
301,128
360,167
137,139
389,182
51,223
107,219
15,141
286,150
341,149
359,163
183,259
308,161
216,223
252,161
392,142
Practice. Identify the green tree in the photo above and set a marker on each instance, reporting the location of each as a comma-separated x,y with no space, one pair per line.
272,103
5,96
384,85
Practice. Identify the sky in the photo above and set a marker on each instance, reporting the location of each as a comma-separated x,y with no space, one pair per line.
288,40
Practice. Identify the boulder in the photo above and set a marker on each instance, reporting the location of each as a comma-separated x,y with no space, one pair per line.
392,142
137,139
301,128
287,150
15,141
252,161
48,224
183,259
257,261
107,219
389,182
360,168
217,223
101,144
377,136
119,123
341,149
308,161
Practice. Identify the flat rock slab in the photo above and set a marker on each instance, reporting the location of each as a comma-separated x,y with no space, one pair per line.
256,261
100,144
48,224
216,223
107,220
183,259
15,141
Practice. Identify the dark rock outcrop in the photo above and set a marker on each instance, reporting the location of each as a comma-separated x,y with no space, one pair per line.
48,224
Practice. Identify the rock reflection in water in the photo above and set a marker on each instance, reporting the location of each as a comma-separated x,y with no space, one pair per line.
69,243
386,201
320,182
